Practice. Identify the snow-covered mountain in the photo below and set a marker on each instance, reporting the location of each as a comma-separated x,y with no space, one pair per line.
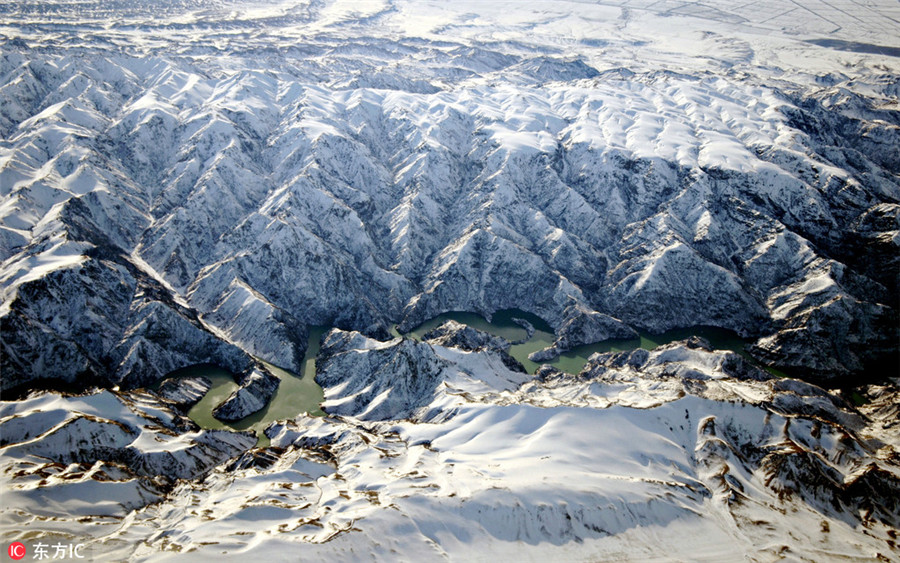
434,452
200,181
227,174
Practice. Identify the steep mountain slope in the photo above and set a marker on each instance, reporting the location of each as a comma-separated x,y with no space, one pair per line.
201,181
176,178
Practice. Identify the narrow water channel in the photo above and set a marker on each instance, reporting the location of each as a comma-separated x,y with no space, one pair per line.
295,394
502,324
300,393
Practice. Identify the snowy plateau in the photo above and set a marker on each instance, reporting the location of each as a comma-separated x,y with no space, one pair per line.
190,182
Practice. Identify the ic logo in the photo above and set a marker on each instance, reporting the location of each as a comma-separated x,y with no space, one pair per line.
16,550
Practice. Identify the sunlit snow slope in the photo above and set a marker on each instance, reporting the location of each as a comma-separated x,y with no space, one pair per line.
441,452
200,181
186,182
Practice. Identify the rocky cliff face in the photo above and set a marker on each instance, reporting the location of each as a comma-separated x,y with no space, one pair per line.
184,392
187,182
456,335
376,380
583,327
255,392
206,208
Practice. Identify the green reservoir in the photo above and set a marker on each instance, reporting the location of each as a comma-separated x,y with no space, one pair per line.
299,393
295,394
502,324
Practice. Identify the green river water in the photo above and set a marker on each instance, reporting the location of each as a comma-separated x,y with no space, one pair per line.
299,393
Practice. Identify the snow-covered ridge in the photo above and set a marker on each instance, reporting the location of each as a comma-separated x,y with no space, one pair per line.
193,181
628,459
254,195
103,453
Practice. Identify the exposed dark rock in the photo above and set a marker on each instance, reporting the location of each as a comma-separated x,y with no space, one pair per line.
583,326
464,337
380,380
457,335
184,391
255,392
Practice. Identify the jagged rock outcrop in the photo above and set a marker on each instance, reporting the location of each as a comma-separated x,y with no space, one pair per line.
300,195
464,337
388,380
255,392
373,380
184,392
106,453
456,335
583,327
94,317
687,360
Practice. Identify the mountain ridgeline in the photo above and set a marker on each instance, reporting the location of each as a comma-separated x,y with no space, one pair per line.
165,211
199,198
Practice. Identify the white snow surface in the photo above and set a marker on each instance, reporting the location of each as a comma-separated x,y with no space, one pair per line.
279,164
102,454
718,462
185,180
